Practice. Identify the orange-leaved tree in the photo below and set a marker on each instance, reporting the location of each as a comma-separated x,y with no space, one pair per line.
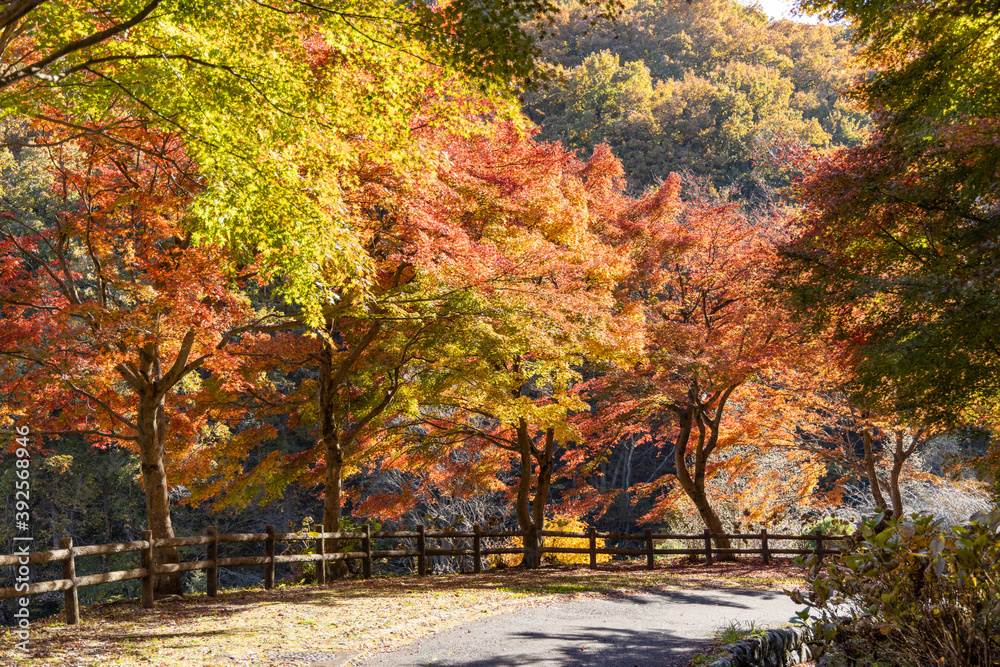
871,437
505,385
116,325
716,341
376,353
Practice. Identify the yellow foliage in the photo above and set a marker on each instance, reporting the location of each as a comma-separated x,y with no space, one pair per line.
562,524
567,525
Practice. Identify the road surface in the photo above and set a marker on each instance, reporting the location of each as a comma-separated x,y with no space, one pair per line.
641,630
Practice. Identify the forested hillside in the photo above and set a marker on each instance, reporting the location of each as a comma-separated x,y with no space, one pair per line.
708,88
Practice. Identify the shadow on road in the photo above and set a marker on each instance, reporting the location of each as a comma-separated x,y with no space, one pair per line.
745,599
655,627
599,647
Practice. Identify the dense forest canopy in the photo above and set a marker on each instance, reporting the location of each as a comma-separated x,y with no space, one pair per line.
708,88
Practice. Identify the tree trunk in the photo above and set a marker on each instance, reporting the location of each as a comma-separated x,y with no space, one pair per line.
894,494
899,457
542,485
524,517
544,480
334,455
152,423
872,473
695,487
331,506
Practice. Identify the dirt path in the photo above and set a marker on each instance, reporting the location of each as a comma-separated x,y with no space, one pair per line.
644,629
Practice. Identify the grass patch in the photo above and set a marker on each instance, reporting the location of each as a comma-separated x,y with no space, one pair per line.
730,633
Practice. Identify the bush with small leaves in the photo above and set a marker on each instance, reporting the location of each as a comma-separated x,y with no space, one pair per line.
830,525
911,592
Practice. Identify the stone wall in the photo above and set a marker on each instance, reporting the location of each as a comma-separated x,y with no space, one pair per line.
774,648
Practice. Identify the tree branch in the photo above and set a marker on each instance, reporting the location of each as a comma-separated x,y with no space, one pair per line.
111,411
37,68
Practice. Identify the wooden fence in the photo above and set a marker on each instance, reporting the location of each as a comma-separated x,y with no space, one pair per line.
147,546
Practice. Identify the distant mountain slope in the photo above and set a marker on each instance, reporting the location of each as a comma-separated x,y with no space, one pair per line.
699,87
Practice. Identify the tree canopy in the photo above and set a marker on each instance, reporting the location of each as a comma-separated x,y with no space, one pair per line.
898,240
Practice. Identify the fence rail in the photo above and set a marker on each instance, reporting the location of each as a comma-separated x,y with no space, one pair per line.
532,543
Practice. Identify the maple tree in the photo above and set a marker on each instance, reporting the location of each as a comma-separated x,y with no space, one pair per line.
376,350
715,348
502,383
59,41
933,59
871,440
896,245
115,324
267,100
266,95
896,258
514,387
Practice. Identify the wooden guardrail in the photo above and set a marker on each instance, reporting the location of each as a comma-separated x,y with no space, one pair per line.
147,546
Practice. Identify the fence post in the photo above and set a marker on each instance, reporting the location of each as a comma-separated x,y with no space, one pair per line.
593,548
765,553
149,564
477,552
366,546
212,585
69,572
459,544
421,551
818,550
321,563
269,554
708,547
649,549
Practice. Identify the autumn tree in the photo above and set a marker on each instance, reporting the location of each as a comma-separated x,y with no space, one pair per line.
896,244
873,440
60,42
262,93
376,351
115,324
504,376
715,342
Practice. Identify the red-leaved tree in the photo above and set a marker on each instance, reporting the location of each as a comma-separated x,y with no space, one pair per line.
116,325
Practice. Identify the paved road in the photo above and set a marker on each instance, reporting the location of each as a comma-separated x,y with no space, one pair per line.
651,629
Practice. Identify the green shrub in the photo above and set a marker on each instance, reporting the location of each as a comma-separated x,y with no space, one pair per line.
302,573
912,592
831,525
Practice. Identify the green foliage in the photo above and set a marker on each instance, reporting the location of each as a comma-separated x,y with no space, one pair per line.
303,573
708,87
899,249
735,631
274,103
730,633
77,490
913,592
929,59
830,525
